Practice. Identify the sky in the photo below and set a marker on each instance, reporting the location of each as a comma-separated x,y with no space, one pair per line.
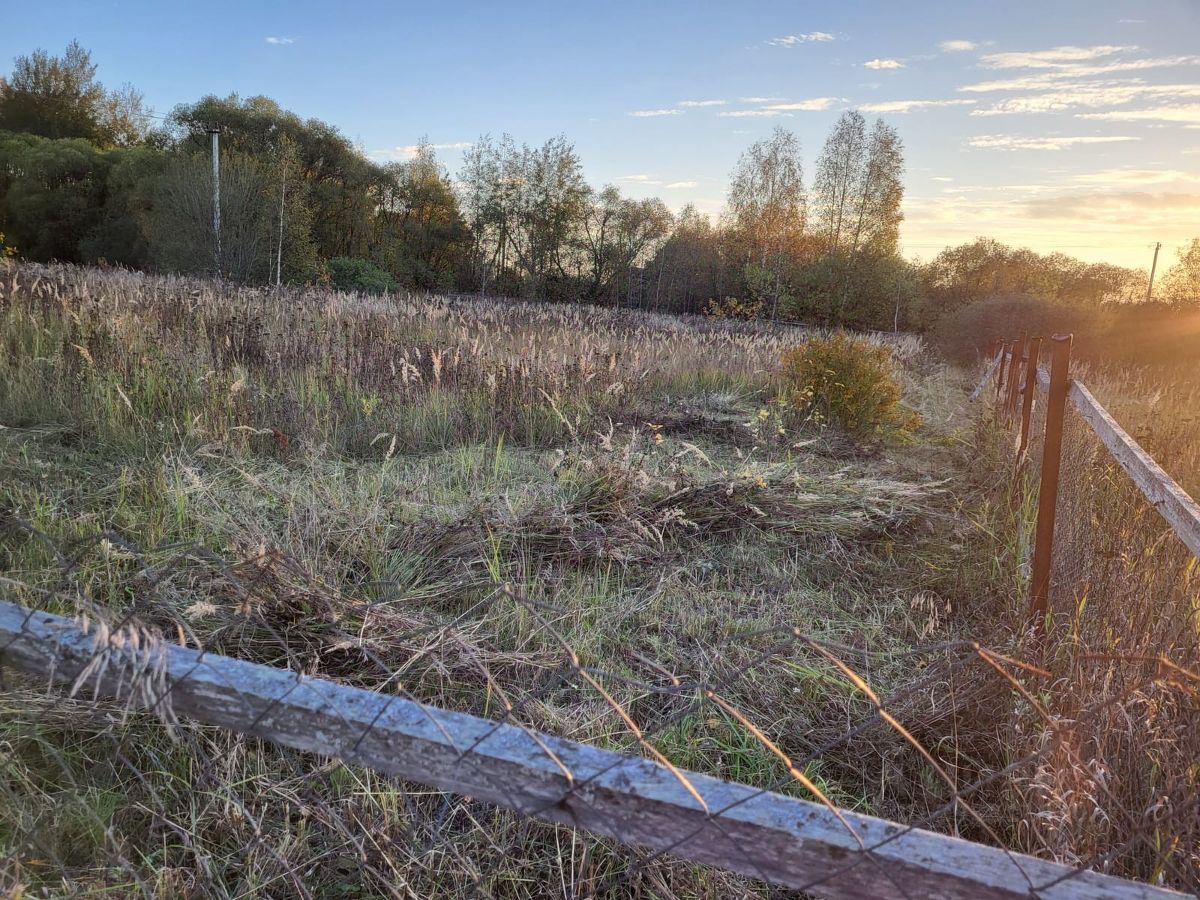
1058,125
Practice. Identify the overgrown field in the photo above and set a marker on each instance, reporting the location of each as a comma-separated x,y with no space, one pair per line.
579,518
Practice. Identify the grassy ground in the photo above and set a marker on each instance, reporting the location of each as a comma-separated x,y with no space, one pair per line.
443,497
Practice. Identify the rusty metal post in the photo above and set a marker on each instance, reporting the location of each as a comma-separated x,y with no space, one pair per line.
1035,350
1043,542
1014,378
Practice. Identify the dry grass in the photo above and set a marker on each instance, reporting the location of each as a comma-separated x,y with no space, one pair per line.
1121,722
436,496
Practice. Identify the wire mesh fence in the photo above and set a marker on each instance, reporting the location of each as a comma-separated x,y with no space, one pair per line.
1121,623
114,784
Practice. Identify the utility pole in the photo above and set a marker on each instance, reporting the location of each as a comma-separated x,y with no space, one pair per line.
1153,267
215,131
279,255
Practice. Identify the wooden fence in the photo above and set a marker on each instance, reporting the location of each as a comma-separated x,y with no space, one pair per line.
1017,374
778,839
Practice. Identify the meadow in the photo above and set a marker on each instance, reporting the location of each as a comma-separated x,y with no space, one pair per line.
473,503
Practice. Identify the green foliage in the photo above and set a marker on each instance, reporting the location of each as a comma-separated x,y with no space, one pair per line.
985,268
352,274
59,97
53,192
733,308
966,332
844,381
1140,334
423,237
180,231
125,232
339,183
866,291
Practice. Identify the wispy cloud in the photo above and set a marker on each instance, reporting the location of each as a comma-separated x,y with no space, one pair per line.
655,113
814,104
1088,94
754,114
273,39
905,106
409,151
681,184
1015,142
1021,83
1054,58
1072,62
807,37
957,46
884,64
762,99
689,104
639,179
1137,177
1104,205
1185,113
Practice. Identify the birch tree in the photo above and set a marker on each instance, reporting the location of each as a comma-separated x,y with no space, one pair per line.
768,206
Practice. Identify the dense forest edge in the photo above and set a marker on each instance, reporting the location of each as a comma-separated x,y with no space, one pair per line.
89,175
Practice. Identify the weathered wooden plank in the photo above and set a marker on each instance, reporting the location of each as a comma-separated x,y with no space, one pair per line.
1160,489
987,376
775,838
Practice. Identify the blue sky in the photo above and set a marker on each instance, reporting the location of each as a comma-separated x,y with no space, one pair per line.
1060,125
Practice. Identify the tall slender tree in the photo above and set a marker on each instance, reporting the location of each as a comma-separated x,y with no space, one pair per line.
838,179
768,206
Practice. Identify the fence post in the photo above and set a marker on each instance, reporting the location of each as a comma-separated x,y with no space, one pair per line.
1035,350
1014,378
1043,544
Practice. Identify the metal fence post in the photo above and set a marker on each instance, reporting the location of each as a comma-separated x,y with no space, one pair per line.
1035,350
1043,544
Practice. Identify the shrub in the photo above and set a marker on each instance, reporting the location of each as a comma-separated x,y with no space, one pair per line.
348,273
844,381
966,333
733,308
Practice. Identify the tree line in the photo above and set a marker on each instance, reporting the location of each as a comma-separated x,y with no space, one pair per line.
88,175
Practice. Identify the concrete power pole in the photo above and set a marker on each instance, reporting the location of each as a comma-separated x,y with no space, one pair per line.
216,201
279,255
1153,268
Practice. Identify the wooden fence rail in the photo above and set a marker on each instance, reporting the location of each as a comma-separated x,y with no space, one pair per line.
1162,491
778,839
1172,502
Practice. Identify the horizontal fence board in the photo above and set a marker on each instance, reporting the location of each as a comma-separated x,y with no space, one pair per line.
987,376
1164,493
778,839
